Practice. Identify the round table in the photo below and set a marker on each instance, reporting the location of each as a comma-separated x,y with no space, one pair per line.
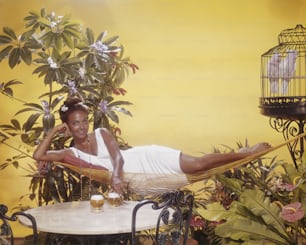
76,218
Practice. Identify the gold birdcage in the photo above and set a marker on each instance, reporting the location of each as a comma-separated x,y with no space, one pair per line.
283,86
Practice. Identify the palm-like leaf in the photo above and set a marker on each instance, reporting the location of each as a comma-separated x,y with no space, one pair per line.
253,217
247,230
17,49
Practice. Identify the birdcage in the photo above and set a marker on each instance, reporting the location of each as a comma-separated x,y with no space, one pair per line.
283,86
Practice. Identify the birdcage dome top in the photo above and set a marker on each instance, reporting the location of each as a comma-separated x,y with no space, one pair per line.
288,40
293,36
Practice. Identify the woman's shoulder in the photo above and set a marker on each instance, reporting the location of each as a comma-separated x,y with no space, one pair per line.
102,131
99,133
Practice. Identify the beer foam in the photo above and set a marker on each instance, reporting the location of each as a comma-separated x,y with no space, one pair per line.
96,197
113,195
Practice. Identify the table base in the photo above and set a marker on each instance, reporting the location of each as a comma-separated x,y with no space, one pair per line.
63,239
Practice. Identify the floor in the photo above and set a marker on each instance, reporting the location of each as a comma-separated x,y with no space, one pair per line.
19,241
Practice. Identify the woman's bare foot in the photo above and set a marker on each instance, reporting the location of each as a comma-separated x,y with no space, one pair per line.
255,148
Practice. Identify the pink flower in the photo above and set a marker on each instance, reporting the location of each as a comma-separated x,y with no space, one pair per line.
197,223
292,212
287,187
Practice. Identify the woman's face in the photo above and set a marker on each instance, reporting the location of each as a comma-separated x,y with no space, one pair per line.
78,124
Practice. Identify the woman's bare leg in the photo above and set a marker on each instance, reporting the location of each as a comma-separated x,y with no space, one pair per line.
190,164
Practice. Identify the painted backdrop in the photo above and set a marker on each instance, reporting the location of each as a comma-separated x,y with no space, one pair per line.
199,80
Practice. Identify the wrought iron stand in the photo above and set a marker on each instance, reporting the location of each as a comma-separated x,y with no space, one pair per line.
283,88
289,129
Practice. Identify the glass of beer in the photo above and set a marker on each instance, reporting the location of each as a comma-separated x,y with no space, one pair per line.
114,199
96,202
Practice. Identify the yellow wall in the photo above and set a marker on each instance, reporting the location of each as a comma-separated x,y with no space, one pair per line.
198,84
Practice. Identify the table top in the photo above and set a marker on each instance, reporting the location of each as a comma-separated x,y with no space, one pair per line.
76,218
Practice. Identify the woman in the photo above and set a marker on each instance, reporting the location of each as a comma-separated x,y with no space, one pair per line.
101,148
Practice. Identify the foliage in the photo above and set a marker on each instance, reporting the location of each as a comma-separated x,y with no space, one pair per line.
71,62
267,206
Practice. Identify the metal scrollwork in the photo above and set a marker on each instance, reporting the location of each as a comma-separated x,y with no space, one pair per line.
174,218
290,129
175,236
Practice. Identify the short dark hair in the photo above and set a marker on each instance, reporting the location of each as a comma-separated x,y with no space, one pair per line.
71,105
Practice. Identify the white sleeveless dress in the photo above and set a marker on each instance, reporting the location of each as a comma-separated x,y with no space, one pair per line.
153,159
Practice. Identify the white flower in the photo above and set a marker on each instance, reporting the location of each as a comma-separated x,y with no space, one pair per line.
53,24
52,64
64,108
100,47
82,72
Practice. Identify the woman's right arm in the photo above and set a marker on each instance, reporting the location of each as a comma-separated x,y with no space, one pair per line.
42,152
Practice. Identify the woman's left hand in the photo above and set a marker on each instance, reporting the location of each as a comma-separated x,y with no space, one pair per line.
118,185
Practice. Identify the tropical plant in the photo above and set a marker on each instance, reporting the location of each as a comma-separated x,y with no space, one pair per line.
71,62
267,206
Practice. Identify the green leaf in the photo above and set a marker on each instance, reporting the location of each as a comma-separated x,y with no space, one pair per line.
111,40
234,184
261,206
119,102
65,55
112,115
56,101
15,164
90,36
26,35
5,39
50,76
42,12
72,61
10,32
25,138
214,212
14,57
4,52
89,60
47,39
248,230
12,82
256,242
8,91
16,124
31,107
34,13
32,44
57,42
30,122
68,40
3,166
59,76
35,106
101,36
82,53
26,55
73,32
122,110
42,69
